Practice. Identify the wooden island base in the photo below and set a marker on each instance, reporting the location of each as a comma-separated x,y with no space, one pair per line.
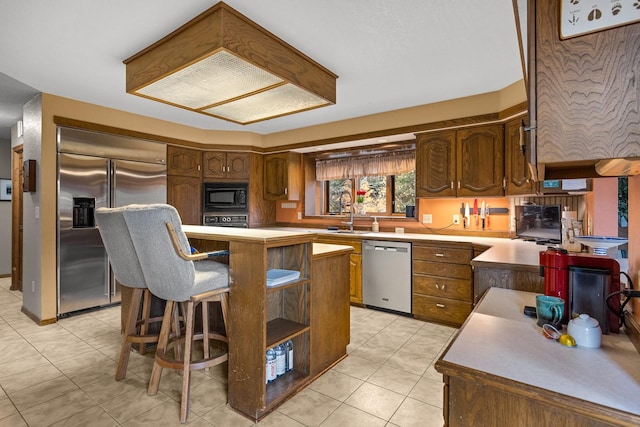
313,312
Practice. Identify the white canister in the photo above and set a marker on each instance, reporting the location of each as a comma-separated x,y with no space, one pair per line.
586,331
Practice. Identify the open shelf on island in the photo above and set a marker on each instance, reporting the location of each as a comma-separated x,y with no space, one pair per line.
279,330
278,389
281,286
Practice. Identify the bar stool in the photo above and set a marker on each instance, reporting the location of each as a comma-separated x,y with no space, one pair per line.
171,274
126,269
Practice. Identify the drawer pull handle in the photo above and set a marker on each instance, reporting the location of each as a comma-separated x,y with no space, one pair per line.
442,287
437,286
440,305
439,254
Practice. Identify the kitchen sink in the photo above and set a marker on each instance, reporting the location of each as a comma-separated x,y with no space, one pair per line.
352,232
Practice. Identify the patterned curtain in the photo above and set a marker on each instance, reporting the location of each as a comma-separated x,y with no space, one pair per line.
377,164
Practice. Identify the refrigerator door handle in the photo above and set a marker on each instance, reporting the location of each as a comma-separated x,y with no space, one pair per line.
111,183
107,283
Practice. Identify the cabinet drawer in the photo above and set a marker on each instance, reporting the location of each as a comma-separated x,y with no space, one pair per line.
433,253
454,271
443,287
440,310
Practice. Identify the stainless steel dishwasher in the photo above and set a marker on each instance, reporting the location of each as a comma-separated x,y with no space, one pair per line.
386,275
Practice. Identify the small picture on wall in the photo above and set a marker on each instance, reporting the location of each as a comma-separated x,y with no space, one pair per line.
5,189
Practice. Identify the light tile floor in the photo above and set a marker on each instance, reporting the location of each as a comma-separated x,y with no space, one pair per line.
62,375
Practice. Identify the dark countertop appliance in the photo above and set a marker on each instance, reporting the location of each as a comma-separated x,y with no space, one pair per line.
584,282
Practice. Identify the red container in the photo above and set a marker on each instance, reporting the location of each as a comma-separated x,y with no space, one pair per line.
554,267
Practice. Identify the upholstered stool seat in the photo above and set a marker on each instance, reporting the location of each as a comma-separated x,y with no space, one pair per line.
171,274
126,269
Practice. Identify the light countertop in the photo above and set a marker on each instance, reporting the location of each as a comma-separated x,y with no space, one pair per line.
501,250
241,234
498,339
321,249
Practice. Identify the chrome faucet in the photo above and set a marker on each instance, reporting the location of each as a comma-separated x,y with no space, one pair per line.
350,222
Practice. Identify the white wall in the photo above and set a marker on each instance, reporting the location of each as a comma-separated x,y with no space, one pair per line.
5,211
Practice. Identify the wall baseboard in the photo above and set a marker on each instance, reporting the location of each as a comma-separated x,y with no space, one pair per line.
36,319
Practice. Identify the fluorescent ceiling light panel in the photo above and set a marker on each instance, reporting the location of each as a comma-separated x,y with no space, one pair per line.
223,64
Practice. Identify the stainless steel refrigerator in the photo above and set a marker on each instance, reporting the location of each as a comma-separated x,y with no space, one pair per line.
96,170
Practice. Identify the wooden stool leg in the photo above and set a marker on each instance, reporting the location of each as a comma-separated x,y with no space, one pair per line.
186,372
224,305
176,327
146,310
129,329
205,330
163,340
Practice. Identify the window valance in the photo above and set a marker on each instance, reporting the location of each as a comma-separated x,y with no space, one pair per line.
377,164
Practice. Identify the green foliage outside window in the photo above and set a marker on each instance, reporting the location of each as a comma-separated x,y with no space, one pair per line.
404,190
384,195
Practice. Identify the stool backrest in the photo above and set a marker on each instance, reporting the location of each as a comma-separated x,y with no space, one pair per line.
117,242
168,276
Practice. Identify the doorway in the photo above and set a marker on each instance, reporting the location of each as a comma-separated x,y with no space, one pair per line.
16,219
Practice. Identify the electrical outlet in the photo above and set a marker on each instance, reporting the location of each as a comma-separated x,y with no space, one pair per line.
456,219
299,216
427,218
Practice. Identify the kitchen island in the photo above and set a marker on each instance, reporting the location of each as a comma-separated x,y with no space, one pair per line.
499,370
311,312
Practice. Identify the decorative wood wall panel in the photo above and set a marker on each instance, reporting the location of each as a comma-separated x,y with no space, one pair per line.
588,91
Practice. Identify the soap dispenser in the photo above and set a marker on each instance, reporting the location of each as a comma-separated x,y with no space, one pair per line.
375,226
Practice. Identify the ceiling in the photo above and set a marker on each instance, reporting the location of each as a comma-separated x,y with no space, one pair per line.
388,54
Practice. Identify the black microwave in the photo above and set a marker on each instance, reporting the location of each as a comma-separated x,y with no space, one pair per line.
225,196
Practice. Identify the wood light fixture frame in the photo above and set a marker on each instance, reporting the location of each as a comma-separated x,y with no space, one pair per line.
181,67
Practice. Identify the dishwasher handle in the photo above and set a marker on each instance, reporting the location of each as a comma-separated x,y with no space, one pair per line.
387,249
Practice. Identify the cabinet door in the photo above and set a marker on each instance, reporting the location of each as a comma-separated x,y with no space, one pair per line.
185,194
214,164
586,90
238,165
436,164
517,172
480,161
221,165
184,161
282,176
355,278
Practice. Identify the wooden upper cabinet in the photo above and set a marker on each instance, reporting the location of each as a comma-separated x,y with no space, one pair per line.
480,161
283,176
226,165
184,161
435,164
466,162
517,171
586,90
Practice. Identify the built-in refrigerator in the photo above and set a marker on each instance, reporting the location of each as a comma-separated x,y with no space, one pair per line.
96,170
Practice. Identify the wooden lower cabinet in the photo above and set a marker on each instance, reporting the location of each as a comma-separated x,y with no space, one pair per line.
440,310
355,265
330,310
519,278
442,283
473,398
355,278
